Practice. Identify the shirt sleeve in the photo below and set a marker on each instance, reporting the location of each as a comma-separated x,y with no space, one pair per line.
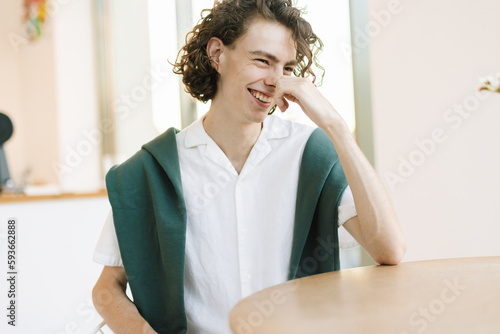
346,211
107,251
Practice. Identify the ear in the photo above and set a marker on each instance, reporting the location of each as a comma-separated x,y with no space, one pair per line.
215,48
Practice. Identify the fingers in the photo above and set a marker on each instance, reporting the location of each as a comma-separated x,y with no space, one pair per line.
282,94
282,104
290,88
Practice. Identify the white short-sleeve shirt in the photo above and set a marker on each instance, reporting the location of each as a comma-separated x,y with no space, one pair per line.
239,226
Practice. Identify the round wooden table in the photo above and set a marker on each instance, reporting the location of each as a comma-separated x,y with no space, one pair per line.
438,296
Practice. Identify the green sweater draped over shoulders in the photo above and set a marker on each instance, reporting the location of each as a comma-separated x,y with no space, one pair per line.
149,213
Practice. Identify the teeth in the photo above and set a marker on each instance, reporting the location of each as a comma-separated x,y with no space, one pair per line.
261,97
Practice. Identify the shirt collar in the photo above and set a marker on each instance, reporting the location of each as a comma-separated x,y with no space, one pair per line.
274,128
196,134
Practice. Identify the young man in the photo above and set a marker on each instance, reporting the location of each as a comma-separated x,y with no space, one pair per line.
239,200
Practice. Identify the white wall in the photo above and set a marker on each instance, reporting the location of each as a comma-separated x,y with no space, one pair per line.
77,105
56,273
425,61
133,80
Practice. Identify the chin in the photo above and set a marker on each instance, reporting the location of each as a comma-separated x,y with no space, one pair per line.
259,116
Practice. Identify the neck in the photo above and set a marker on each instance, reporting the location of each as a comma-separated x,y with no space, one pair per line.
234,136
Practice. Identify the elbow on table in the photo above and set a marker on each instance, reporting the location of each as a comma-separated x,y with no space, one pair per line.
392,256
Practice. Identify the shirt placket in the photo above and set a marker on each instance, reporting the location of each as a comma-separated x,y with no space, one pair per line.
243,241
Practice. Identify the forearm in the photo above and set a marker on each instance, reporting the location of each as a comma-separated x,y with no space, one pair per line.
379,230
118,311
376,227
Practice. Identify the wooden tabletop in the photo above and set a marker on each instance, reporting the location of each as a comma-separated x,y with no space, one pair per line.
437,296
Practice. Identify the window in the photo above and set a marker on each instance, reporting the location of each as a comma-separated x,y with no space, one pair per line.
330,21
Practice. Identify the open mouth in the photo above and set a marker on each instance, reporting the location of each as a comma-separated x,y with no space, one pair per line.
259,96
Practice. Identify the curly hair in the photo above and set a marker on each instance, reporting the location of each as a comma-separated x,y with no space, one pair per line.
228,20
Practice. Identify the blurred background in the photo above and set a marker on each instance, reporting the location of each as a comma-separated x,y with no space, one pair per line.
87,82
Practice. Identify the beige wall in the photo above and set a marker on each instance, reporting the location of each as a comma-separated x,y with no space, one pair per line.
48,89
425,62
27,96
39,108
10,98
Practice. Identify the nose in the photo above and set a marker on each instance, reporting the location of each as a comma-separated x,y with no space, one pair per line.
272,77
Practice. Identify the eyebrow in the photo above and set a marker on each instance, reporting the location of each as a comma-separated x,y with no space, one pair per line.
272,57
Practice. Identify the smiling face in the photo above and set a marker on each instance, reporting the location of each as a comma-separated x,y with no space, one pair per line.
250,68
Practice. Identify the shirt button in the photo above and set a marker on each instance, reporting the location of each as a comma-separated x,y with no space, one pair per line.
244,230
247,277
238,183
